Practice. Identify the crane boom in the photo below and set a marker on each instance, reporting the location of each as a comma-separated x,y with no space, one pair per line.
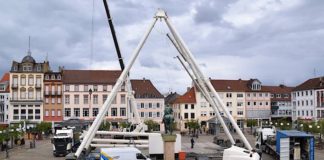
113,33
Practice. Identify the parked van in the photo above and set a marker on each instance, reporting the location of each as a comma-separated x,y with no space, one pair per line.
123,153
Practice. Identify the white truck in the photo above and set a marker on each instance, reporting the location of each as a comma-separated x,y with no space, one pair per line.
123,153
62,142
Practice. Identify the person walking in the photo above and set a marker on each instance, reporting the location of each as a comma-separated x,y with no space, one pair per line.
192,142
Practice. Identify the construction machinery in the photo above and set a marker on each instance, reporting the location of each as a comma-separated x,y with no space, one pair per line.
204,84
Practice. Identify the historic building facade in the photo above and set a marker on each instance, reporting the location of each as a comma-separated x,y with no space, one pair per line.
53,102
308,99
26,90
150,102
85,91
4,98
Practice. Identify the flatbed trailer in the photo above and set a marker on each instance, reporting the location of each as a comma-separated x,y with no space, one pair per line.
290,144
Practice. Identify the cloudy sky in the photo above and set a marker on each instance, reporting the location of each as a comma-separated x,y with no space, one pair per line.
276,41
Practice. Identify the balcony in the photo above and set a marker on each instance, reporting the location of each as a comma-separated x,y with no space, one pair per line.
38,86
14,86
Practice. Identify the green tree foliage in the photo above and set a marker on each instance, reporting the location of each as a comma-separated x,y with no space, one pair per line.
43,127
104,126
251,122
282,124
151,125
125,125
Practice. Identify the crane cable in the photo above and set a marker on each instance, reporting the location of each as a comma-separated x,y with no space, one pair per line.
92,34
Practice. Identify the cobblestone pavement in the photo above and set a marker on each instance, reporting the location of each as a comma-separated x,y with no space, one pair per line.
43,151
203,145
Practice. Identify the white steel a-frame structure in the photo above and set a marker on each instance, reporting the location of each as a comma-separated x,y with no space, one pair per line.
203,84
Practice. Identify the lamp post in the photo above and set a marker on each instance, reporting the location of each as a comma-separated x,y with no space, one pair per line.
90,93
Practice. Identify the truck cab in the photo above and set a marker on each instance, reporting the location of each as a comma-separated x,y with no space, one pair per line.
62,142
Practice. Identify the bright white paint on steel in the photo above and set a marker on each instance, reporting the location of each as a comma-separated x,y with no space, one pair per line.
119,145
120,141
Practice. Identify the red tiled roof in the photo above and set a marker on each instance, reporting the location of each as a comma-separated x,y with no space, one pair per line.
90,76
188,97
144,88
281,89
314,83
235,85
5,77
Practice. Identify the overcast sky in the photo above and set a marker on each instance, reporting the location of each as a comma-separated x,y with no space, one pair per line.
276,41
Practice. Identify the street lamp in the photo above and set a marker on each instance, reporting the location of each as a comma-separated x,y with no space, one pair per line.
90,93
281,124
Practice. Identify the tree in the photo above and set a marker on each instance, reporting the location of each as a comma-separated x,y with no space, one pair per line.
251,123
151,125
193,125
125,125
104,126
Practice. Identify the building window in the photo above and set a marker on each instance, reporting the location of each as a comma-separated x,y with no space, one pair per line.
76,112
192,115
59,100
142,105
150,114
239,95
254,103
30,93
260,94
85,88
104,98
150,105
95,88
122,111
192,106
248,95
104,87
85,112
59,113
67,99
95,112
53,100
157,105
186,116
67,88
76,88
30,80
229,95
95,99
239,104
186,106
23,93
229,104
23,81
46,113
85,99
53,113
142,114
67,112
240,113
37,114
122,99
30,114
46,100
76,99
113,112
157,114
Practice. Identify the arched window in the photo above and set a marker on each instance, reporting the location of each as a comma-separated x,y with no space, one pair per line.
30,93
23,93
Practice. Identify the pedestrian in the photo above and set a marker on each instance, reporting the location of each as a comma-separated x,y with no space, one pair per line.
192,142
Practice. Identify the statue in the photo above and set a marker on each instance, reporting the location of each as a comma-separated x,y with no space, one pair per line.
168,120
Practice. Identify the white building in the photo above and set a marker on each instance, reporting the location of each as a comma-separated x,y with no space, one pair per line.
4,98
26,93
150,102
85,91
307,99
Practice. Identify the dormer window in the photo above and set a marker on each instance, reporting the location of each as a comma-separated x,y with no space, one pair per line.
59,77
39,68
53,77
47,77
256,85
27,67
15,68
